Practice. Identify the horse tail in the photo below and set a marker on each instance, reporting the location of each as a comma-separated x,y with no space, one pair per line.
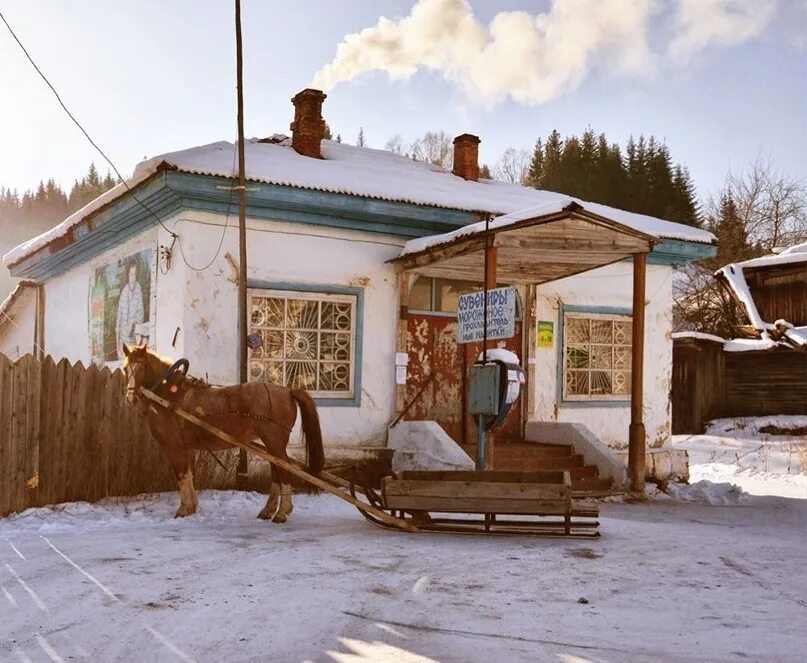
311,430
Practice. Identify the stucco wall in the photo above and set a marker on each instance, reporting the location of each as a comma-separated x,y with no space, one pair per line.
297,254
195,316
610,286
67,302
17,335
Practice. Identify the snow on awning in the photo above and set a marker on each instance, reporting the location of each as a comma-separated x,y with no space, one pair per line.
535,245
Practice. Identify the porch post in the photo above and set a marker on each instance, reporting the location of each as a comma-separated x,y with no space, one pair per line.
401,345
491,258
636,448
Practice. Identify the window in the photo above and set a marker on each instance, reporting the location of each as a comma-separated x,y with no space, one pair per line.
309,341
596,356
441,296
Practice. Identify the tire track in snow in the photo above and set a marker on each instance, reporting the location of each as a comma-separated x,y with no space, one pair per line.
46,647
34,596
168,644
92,578
14,548
10,598
162,639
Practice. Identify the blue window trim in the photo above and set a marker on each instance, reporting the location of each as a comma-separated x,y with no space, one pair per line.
328,289
569,308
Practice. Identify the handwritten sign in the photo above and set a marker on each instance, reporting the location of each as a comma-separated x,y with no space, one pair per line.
501,315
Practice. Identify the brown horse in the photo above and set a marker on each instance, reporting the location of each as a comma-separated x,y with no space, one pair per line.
251,411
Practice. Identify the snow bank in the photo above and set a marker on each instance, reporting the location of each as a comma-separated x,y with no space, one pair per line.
141,509
364,172
737,451
706,492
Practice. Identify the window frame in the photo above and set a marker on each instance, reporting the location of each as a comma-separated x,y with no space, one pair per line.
449,314
289,290
598,400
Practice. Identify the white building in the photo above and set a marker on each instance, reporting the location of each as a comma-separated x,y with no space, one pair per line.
323,221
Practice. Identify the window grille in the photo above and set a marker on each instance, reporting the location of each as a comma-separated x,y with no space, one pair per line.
596,356
308,339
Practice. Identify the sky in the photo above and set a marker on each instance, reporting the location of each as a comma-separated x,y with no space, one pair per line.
720,81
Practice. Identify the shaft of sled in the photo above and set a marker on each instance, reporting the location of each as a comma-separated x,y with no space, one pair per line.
286,465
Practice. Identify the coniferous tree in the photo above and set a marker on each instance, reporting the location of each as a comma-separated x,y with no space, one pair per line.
551,176
360,141
644,180
536,165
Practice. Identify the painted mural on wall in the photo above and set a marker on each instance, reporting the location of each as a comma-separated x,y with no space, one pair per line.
120,305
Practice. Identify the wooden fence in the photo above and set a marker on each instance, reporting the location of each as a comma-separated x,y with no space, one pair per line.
768,382
698,385
67,434
709,383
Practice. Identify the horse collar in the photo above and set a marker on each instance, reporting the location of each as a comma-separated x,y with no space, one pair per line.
172,376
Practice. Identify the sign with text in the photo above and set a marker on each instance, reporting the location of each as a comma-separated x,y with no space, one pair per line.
546,333
501,315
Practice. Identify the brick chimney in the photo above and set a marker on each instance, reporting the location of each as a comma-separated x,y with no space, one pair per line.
308,128
466,157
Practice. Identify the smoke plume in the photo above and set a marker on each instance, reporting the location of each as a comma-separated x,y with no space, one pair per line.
533,58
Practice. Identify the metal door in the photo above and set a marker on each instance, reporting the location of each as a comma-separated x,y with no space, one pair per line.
437,374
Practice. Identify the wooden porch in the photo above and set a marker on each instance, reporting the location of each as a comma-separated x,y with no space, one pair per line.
530,249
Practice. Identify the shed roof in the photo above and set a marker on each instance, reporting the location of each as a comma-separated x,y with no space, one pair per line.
536,245
7,305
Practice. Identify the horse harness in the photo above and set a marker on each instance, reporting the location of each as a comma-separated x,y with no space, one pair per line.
177,374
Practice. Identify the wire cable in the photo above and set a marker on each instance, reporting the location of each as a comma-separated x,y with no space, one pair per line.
223,231
81,128
12,321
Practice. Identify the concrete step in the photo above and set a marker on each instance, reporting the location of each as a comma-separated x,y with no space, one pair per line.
529,463
591,487
525,450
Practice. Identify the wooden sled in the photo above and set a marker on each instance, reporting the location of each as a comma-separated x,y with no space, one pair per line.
540,502
533,503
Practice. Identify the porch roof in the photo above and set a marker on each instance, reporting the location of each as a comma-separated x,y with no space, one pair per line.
535,246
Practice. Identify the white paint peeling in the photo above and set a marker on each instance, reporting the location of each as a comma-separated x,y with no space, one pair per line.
609,286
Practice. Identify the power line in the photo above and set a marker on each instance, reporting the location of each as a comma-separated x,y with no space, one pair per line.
223,231
81,128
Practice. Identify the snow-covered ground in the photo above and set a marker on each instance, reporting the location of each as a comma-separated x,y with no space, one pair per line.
668,581
737,451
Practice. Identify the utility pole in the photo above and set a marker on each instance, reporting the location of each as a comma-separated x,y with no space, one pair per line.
243,330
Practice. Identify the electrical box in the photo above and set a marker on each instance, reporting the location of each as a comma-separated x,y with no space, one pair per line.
494,387
484,389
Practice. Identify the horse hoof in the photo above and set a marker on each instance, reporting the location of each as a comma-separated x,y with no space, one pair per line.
279,519
264,516
183,513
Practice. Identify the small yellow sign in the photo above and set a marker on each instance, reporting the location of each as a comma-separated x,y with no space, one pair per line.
546,333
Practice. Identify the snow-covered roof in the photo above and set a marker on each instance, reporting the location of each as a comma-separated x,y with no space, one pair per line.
7,304
556,206
698,335
750,344
366,172
734,276
792,255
